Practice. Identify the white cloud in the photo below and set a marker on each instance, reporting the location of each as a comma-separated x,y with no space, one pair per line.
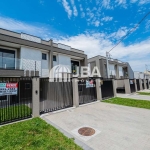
82,15
67,8
98,43
119,34
133,1
107,18
42,2
75,12
147,24
15,25
97,23
144,2
107,4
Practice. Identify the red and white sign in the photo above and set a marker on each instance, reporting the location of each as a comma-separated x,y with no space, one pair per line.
8,89
11,85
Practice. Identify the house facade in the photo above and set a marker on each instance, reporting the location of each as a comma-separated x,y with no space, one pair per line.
117,69
141,75
26,55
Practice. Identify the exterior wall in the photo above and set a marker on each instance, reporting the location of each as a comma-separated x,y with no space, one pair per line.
29,58
64,60
103,69
120,69
130,72
120,83
92,65
45,66
136,75
7,73
141,75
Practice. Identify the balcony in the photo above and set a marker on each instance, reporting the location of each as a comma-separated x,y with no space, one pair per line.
10,67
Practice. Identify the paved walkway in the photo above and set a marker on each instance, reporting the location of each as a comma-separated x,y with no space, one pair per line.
119,127
136,96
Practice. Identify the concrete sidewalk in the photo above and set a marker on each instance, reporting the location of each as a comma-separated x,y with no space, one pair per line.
119,127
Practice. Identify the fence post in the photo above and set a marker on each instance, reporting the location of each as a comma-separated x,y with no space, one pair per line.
140,81
127,86
35,96
114,87
145,84
98,89
135,85
75,92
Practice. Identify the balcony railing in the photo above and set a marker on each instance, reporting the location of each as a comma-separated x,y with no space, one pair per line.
10,63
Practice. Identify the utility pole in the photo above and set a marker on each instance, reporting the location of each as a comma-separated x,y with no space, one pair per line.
146,68
107,55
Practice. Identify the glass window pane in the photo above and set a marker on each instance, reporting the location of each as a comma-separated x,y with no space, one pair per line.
44,56
8,60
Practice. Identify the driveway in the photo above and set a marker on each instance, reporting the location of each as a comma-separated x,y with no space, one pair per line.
116,127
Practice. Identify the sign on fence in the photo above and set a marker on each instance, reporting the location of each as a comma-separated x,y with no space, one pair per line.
131,82
8,89
89,84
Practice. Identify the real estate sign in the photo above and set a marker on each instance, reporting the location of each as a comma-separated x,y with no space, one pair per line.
8,89
89,84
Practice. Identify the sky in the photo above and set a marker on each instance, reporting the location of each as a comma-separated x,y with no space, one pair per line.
94,26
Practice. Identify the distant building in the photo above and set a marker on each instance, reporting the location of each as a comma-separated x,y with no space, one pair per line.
117,69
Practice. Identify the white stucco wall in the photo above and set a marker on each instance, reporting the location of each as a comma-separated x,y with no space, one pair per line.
64,60
31,56
112,69
120,71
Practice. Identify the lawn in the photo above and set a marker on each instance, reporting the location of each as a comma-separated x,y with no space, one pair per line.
129,102
14,112
34,134
144,93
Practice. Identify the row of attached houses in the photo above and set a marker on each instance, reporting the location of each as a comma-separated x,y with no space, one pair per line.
117,69
26,55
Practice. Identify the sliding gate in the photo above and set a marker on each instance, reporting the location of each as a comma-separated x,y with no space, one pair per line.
55,95
87,90
15,99
107,88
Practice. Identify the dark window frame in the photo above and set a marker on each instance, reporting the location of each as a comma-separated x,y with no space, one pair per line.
44,56
54,58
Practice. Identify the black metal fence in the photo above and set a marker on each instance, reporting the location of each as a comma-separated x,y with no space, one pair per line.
87,91
147,83
15,99
143,84
132,85
138,84
55,95
107,88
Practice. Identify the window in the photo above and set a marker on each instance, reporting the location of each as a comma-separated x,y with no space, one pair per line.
74,65
44,56
7,59
54,58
